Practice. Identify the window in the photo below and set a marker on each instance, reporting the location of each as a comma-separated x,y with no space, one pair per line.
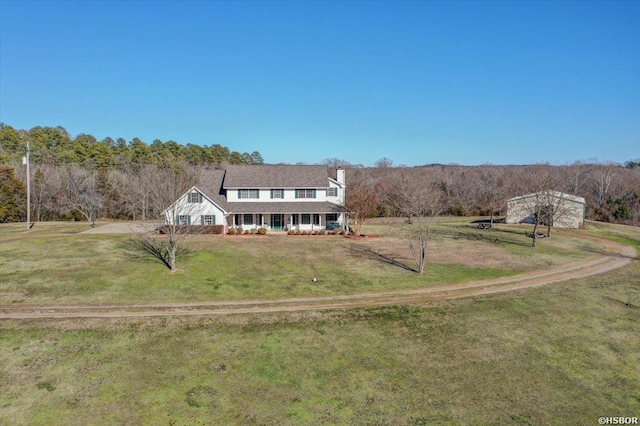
316,219
248,193
195,197
208,219
332,217
184,220
306,219
332,192
247,219
277,193
305,193
294,219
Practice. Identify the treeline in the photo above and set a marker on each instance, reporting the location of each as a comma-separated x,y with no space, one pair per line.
54,146
76,178
611,191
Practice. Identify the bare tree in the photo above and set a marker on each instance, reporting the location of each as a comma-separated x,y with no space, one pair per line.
604,177
168,199
427,204
557,205
460,182
546,201
383,163
125,185
492,189
43,193
406,191
78,190
362,203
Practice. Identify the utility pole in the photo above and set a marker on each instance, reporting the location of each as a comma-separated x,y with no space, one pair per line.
26,160
28,186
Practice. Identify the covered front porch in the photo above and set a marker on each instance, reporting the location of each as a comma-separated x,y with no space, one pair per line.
288,221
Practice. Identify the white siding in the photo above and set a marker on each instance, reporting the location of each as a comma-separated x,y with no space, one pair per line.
339,199
264,195
194,210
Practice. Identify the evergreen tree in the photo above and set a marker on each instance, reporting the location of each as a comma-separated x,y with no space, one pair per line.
13,196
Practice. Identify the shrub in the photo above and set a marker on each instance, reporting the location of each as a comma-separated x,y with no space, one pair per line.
314,233
239,230
246,232
291,232
343,232
262,231
297,232
323,232
304,233
46,385
207,229
232,231
194,229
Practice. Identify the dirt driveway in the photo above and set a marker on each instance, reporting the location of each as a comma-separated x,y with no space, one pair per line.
614,255
123,228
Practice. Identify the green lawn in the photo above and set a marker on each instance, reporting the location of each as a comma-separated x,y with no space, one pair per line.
37,267
563,354
567,353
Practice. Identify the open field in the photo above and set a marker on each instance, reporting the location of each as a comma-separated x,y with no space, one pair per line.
564,354
38,268
568,353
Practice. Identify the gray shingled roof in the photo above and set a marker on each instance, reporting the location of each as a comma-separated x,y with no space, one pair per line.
276,177
284,207
211,185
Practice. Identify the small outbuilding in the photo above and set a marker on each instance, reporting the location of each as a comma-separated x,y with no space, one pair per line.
562,210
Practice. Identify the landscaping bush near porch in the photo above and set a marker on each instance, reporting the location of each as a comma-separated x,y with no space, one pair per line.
194,229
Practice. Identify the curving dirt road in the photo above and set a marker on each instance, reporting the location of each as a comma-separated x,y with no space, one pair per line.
614,256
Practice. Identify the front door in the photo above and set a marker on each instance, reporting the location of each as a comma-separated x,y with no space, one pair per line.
276,221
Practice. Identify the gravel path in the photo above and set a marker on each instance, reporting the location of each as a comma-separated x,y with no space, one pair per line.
123,228
615,256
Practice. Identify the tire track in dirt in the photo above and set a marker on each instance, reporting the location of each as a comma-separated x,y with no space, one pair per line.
617,255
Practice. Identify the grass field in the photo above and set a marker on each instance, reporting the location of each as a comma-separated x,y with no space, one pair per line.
567,353
37,267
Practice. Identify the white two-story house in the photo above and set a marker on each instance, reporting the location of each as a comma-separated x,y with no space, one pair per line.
274,197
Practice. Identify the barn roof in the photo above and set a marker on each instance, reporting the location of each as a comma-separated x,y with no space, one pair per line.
549,193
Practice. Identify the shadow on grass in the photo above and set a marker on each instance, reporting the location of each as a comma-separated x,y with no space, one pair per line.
602,251
368,253
495,220
491,235
151,249
630,303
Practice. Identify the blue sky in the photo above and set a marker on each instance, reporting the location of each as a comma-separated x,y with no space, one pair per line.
467,82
